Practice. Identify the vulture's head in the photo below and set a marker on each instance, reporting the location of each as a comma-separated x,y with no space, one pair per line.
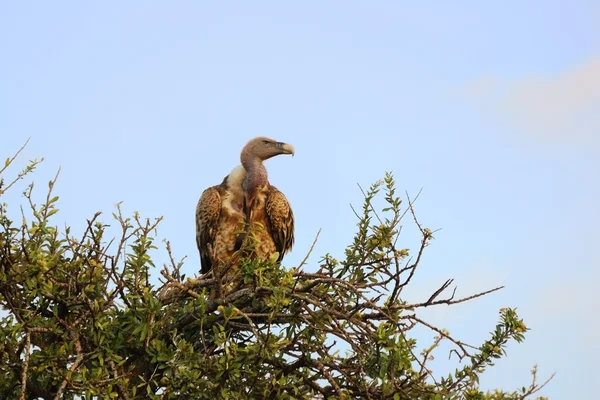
263,148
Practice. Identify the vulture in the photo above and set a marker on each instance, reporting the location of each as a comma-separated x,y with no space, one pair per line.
245,204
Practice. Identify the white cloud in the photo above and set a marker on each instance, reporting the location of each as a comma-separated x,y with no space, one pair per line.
564,107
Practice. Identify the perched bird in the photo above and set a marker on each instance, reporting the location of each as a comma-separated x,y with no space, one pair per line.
263,203
220,219
245,205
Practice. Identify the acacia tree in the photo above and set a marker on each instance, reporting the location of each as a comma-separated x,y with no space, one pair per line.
83,320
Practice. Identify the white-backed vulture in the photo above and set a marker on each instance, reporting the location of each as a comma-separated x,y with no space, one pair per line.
264,204
219,219
245,205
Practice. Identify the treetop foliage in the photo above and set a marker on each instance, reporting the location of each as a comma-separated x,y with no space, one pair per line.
82,319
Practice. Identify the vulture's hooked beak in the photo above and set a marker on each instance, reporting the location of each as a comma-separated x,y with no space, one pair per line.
285,148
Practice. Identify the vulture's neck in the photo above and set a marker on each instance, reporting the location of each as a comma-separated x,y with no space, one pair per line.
257,177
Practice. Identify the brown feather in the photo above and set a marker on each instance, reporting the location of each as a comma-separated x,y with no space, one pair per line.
281,221
208,212
271,220
219,219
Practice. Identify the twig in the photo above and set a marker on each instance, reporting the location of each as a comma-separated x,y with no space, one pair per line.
534,387
412,211
440,290
450,301
310,250
120,389
10,160
460,344
78,361
178,284
21,174
25,365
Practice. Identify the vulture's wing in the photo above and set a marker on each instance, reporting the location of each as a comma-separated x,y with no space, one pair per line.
208,212
281,221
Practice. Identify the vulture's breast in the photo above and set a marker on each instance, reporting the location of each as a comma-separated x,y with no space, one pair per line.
230,225
265,246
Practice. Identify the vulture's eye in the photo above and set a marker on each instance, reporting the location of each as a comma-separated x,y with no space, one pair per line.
265,141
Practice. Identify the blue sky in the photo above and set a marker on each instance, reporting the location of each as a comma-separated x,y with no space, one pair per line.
491,109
